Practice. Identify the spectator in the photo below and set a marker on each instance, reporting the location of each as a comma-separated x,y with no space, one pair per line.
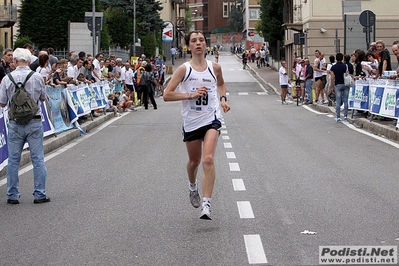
117,81
110,106
6,61
42,69
52,58
384,58
32,133
283,79
341,91
148,90
173,54
308,81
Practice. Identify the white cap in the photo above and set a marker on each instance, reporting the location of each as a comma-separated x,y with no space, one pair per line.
21,54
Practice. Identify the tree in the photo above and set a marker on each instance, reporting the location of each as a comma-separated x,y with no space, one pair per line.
271,21
235,22
45,22
148,21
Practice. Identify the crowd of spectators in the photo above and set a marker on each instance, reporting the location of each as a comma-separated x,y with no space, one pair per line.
87,69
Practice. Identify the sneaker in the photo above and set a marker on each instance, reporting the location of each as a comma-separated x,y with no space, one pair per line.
44,200
95,114
338,119
284,103
325,102
195,198
133,109
345,118
206,212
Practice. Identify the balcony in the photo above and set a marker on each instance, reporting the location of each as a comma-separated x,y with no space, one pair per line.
8,16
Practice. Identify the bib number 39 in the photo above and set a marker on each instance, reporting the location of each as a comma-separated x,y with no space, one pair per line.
203,100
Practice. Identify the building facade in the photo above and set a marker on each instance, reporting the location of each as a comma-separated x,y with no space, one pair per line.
334,26
8,17
251,16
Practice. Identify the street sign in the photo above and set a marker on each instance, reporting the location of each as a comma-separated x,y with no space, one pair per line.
167,32
367,18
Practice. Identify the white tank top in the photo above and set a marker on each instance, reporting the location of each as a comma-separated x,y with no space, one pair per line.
200,111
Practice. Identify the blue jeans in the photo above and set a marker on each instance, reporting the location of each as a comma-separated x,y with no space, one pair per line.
308,89
17,135
173,59
341,94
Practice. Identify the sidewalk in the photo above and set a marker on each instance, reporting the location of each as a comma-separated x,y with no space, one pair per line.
378,127
270,77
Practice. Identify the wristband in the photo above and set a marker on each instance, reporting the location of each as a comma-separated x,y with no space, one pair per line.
223,97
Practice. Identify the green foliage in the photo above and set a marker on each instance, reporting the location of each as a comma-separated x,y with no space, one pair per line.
221,30
149,43
271,21
187,18
21,41
147,19
120,26
45,22
105,38
235,21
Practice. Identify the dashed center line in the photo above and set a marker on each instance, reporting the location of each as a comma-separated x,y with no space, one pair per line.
245,210
253,243
238,185
254,247
227,145
234,167
230,155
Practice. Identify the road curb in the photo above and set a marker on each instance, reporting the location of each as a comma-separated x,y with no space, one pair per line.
54,142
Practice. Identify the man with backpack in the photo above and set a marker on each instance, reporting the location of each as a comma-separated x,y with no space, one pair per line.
21,91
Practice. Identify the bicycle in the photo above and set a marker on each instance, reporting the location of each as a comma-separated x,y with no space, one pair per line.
298,94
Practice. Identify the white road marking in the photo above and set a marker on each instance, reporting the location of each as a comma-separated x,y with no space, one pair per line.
227,145
245,210
243,93
389,142
225,137
238,185
64,148
223,126
262,93
330,115
314,111
223,131
234,167
255,251
230,155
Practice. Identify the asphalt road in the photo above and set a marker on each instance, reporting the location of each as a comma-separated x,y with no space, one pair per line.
120,194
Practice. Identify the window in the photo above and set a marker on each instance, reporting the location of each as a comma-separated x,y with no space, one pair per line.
225,9
253,14
6,40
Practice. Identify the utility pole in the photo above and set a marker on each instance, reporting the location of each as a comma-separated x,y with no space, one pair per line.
94,27
134,28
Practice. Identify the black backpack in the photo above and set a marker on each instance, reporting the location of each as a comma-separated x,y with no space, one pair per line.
145,78
22,107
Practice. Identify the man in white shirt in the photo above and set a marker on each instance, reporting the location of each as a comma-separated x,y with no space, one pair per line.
73,70
283,79
96,63
173,52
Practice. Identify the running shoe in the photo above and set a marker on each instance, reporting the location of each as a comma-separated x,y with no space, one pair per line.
338,120
195,198
206,212
345,118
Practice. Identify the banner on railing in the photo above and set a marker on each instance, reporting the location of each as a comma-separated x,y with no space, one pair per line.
60,111
379,97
